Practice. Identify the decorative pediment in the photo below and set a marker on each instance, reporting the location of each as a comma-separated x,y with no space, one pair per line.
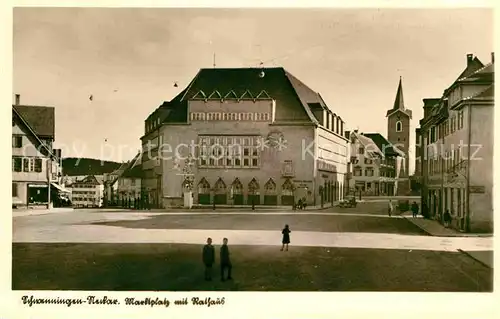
247,95
220,184
199,96
231,96
263,95
215,95
270,185
236,183
253,185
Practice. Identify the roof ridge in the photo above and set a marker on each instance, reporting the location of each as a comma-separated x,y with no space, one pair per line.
33,132
475,72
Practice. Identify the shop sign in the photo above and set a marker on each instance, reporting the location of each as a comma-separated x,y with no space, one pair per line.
476,189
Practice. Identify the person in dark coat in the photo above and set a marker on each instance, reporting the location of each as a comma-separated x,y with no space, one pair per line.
286,237
414,209
447,219
225,261
208,258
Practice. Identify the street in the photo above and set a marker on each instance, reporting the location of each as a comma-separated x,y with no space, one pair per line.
329,251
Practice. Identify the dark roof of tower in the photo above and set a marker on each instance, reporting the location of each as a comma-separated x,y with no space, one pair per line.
399,104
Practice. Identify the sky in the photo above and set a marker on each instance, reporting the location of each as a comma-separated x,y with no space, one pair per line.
129,60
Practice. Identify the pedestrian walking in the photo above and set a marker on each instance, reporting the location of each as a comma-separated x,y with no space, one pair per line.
304,203
208,258
390,209
225,261
414,209
286,237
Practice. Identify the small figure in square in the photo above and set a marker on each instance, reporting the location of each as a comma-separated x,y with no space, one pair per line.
414,209
208,258
390,209
286,237
225,261
447,218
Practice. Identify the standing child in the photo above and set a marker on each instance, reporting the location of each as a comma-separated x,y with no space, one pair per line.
225,261
208,258
286,237
390,208
414,209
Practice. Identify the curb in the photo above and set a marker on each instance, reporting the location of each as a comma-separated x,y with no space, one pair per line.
462,235
420,227
472,257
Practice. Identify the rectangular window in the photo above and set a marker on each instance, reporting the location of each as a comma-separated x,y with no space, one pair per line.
361,151
237,162
17,141
368,161
17,164
255,162
38,165
246,162
14,190
26,164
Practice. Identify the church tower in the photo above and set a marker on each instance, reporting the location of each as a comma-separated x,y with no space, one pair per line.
398,133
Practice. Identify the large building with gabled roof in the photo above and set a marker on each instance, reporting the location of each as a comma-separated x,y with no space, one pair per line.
36,169
254,134
457,149
374,165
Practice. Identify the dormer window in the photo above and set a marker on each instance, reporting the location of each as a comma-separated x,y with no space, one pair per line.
399,126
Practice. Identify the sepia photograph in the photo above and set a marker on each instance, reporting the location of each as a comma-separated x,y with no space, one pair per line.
251,149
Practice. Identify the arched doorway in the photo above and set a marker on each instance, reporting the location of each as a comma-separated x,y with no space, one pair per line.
287,193
237,192
270,196
253,192
220,192
203,192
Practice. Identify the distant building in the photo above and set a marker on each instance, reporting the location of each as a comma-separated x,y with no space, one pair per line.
398,134
457,152
111,185
36,168
88,192
374,165
260,135
129,182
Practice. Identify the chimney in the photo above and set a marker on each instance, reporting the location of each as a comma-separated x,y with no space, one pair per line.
18,98
492,57
470,57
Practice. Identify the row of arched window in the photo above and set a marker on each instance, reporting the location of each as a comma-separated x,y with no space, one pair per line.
237,187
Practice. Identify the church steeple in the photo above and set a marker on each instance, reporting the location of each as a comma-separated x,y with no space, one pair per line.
399,102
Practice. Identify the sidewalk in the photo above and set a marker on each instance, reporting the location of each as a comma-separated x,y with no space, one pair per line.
434,228
484,257
40,211
224,207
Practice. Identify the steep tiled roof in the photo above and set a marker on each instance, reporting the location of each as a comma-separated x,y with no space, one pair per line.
382,143
134,172
135,168
474,65
484,74
40,118
18,118
291,95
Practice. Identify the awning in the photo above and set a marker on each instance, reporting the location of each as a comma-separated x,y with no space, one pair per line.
61,189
